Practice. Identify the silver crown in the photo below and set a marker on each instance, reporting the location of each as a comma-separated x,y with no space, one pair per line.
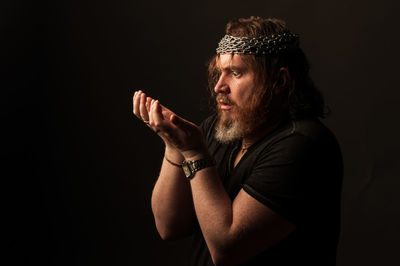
271,44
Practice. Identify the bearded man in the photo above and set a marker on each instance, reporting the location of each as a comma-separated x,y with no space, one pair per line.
260,181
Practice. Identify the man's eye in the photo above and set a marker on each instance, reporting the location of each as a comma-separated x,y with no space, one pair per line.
236,74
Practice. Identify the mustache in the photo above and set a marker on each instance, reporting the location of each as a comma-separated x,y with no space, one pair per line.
224,98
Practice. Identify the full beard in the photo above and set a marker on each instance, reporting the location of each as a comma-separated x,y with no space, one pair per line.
228,130
247,119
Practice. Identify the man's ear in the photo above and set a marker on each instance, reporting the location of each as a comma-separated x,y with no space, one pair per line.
283,81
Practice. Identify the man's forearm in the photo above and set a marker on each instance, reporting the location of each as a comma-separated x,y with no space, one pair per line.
213,208
171,200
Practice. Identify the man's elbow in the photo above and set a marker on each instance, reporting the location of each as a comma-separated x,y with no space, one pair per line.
222,255
170,233
221,259
167,235
226,259
227,253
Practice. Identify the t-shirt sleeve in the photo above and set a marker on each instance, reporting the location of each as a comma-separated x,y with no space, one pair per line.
282,177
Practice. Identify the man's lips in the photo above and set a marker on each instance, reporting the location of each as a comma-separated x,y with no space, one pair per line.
224,105
224,102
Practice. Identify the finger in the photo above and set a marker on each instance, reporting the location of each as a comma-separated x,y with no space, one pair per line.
150,115
154,118
148,103
158,117
143,110
136,103
155,114
158,114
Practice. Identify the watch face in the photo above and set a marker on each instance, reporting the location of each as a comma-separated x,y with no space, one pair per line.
186,170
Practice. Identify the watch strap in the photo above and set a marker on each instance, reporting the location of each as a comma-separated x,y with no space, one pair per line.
191,167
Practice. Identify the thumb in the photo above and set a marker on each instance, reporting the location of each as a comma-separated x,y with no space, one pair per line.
188,127
178,121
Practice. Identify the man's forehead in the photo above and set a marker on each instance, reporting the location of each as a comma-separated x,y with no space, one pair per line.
225,61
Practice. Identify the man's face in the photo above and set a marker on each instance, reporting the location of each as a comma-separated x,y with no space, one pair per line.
234,89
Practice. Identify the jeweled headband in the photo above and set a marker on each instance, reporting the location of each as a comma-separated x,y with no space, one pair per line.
271,44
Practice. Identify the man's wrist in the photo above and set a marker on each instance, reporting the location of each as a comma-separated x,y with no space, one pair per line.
191,167
194,155
173,154
173,163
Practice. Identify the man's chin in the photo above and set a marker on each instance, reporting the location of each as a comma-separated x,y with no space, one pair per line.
226,116
227,129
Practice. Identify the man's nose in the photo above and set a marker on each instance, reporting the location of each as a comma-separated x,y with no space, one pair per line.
222,85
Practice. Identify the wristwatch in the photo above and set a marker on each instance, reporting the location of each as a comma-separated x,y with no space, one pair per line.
191,167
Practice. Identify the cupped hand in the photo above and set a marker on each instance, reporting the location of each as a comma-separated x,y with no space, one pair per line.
141,108
176,132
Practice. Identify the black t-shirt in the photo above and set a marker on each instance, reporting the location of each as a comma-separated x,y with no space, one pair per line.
296,170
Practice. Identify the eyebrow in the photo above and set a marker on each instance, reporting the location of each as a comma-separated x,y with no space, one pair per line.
232,68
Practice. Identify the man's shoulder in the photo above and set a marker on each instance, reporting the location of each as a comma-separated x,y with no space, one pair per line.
297,137
309,127
314,130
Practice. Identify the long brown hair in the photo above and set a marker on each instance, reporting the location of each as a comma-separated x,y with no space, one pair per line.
303,98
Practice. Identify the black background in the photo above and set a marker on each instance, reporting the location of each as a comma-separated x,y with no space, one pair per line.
78,168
